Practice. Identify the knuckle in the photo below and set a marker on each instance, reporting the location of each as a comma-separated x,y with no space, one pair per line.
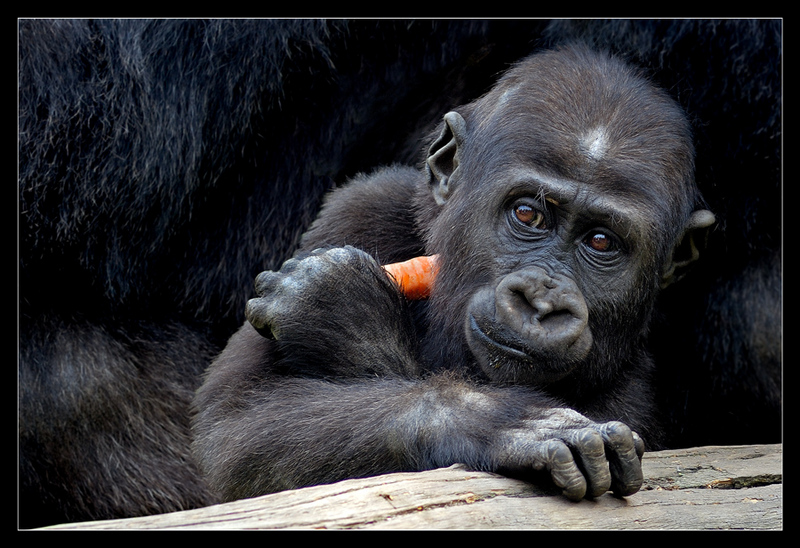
563,469
265,282
557,453
590,442
339,255
289,265
617,433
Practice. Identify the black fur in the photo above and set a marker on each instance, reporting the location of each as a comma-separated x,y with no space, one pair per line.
164,163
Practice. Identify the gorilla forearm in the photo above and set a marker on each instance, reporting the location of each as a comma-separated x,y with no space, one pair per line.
259,430
309,431
299,432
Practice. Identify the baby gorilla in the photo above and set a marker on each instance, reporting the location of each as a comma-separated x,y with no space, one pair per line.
558,204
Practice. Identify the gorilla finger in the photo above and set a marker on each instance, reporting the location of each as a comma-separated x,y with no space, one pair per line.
564,470
350,255
258,313
589,447
624,458
341,255
639,443
266,282
290,265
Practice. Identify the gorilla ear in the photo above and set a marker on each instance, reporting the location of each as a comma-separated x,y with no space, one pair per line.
695,235
443,156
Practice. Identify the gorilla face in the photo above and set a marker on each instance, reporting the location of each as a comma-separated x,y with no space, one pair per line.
560,205
560,258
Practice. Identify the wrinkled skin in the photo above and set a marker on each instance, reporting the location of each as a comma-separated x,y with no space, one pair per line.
529,316
556,205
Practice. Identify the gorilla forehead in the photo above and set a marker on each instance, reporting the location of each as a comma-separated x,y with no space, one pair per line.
587,128
584,116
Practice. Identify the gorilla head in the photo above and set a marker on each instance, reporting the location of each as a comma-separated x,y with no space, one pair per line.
560,199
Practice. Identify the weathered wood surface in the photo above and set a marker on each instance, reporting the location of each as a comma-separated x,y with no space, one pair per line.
736,487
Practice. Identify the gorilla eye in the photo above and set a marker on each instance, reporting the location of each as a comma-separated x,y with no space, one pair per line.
529,216
601,242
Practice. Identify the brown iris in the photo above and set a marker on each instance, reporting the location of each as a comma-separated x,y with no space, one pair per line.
529,216
599,242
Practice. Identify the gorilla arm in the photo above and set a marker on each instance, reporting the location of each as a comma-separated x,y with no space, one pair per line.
330,389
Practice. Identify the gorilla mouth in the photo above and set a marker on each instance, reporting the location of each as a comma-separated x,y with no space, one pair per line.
505,358
497,342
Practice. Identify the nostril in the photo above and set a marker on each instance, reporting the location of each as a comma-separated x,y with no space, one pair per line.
559,321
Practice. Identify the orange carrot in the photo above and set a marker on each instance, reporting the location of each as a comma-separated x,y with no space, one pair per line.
415,276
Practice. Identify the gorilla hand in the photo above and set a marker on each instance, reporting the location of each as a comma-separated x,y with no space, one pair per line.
336,304
583,458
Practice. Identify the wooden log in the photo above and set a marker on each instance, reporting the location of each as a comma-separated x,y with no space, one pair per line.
702,488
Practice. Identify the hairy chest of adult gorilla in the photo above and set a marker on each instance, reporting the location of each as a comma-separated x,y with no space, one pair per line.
558,204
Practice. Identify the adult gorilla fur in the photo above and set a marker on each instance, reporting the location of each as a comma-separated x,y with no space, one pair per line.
162,164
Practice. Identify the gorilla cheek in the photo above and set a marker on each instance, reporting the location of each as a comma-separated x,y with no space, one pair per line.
533,327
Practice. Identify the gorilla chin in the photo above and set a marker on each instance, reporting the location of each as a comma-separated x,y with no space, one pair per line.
506,355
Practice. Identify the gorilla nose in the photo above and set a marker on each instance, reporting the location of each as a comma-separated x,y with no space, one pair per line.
547,312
